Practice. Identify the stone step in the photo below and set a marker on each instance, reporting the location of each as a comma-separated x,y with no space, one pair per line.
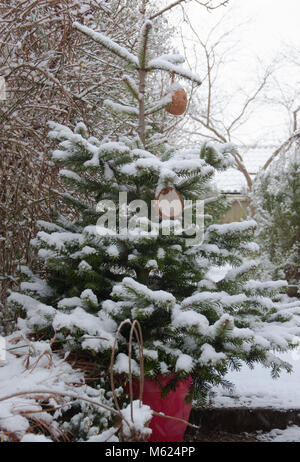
240,420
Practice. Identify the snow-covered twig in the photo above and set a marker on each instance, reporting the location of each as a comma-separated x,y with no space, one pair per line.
107,43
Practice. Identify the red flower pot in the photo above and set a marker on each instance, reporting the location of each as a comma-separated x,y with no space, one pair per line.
174,405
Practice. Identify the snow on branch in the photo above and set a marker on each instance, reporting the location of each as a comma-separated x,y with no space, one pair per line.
142,47
131,86
107,43
169,63
121,108
161,104
165,65
131,290
173,58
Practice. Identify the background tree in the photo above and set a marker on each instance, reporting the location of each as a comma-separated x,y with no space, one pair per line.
276,198
225,111
218,110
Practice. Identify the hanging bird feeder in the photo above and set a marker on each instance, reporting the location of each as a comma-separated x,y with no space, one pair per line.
169,203
179,99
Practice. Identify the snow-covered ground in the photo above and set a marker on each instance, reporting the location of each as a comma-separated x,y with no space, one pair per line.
256,388
289,435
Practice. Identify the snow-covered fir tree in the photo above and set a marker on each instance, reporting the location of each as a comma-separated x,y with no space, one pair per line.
276,199
192,324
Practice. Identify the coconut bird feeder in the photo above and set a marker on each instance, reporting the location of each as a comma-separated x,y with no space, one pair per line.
179,99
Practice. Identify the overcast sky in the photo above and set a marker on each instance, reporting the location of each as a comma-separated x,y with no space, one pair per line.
267,27
274,21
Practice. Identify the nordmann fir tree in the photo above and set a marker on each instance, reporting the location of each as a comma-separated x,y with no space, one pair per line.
192,325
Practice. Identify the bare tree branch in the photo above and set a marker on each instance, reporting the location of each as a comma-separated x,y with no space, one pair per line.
167,8
212,46
295,120
250,100
284,145
210,128
207,5
211,7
